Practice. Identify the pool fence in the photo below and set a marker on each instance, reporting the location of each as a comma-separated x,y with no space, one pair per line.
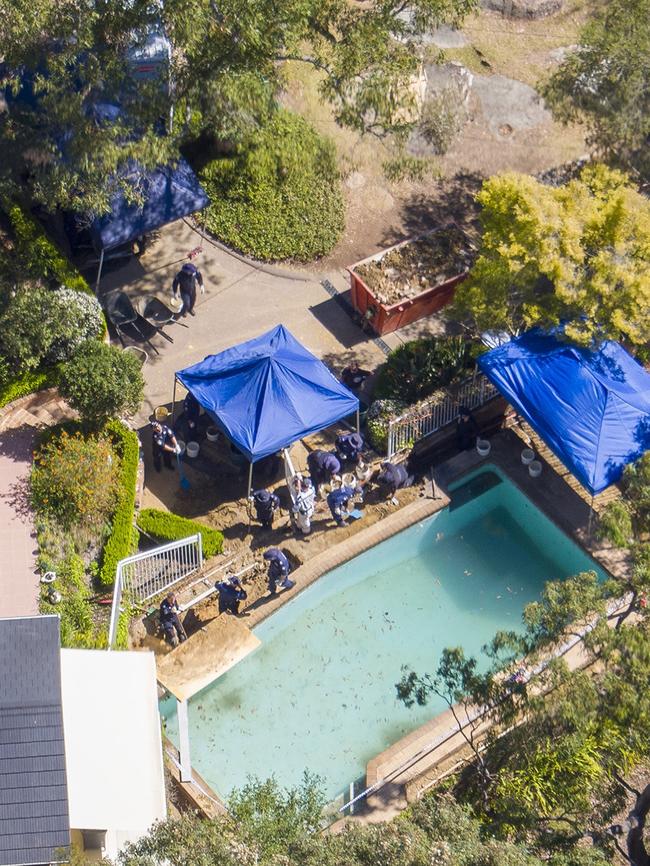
437,412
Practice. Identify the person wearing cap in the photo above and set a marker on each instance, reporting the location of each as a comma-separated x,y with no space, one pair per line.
466,429
279,569
231,594
349,447
322,466
265,504
185,282
163,445
338,501
170,620
394,476
303,497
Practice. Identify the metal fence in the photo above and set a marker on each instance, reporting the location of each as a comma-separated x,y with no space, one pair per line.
147,574
437,412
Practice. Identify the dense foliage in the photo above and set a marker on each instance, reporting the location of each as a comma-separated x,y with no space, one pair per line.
377,420
74,479
605,83
41,326
270,826
165,526
102,382
225,69
418,368
123,537
14,387
279,196
577,254
78,628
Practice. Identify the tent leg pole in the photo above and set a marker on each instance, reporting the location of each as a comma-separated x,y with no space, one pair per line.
358,421
591,515
174,400
250,479
99,270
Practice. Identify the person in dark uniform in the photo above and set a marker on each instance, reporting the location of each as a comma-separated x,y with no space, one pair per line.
185,282
164,444
338,501
353,376
349,447
279,569
266,504
466,429
394,477
231,594
322,465
188,420
170,620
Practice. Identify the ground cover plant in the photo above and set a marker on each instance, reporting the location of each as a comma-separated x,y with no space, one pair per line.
165,526
278,196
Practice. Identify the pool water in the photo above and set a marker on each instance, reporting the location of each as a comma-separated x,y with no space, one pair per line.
319,693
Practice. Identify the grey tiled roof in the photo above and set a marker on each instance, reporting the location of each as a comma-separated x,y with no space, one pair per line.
34,824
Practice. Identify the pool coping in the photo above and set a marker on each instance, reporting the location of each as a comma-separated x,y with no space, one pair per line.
309,572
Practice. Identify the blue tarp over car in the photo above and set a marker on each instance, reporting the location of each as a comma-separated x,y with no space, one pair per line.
268,392
170,192
591,407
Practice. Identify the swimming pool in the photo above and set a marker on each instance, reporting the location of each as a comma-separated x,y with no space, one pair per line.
319,693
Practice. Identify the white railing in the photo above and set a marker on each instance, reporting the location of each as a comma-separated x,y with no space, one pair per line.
441,409
147,574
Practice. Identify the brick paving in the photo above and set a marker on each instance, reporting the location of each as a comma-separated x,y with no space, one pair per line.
19,422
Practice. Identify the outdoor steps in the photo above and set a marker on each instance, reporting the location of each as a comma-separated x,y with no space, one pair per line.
43,409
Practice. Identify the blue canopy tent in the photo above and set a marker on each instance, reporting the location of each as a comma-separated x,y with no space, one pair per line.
591,407
267,393
170,192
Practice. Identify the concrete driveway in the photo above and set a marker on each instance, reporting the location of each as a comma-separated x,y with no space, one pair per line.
241,301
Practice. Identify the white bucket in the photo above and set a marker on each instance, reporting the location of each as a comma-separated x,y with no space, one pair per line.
48,577
349,480
181,445
534,469
192,449
212,434
527,456
483,447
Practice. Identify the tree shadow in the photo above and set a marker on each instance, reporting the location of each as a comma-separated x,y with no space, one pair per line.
338,316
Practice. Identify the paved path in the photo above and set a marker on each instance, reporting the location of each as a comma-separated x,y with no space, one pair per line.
18,422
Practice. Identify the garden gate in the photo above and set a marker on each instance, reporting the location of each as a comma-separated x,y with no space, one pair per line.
145,575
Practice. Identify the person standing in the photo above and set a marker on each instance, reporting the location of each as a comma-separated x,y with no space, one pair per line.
266,504
170,620
185,282
279,569
163,444
353,376
466,429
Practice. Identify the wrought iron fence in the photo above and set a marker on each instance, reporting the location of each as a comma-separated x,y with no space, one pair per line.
441,409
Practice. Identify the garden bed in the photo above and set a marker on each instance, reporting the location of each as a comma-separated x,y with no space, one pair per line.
412,279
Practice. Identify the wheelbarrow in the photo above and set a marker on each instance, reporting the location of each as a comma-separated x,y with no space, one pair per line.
121,313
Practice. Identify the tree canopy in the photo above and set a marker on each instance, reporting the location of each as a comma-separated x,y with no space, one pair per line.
605,83
577,254
64,58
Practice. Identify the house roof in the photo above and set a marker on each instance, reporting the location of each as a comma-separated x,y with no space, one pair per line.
113,743
34,824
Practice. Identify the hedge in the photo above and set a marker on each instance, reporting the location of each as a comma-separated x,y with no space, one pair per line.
28,383
165,526
122,540
40,255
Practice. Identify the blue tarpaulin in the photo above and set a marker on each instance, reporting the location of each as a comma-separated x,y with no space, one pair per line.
169,194
591,407
268,392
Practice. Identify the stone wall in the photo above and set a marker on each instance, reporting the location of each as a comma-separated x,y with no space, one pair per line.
524,8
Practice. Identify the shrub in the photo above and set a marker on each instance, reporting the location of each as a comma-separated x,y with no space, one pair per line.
102,381
74,479
379,414
443,117
123,539
165,526
41,326
39,256
27,383
77,622
279,197
418,368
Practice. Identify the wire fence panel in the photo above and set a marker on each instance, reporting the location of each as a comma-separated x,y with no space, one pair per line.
151,573
115,610
441,409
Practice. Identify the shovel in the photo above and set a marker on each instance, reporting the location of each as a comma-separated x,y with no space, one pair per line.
185,484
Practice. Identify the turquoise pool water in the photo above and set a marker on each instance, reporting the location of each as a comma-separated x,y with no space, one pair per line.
319,693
